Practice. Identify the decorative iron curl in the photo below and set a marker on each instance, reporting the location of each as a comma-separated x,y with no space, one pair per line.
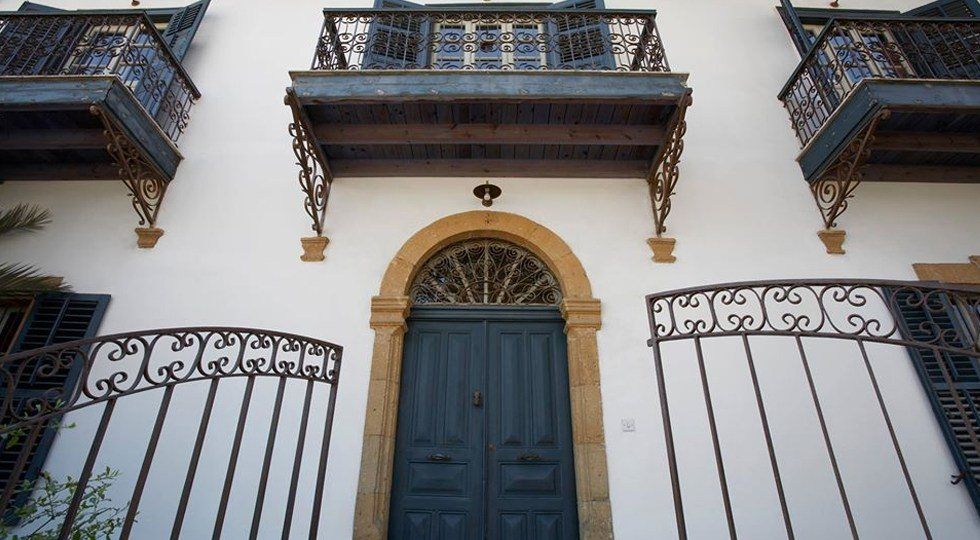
665,171
485,272
145,182
843,309
569,40
314,176
836,186
110,367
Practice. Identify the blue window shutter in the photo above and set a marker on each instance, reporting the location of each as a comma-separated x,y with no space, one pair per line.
801,38
926,323
396,41
38,8
579,44
54,318
948,8
182,27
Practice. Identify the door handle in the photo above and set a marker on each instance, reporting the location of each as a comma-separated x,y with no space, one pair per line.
528,456
477,398
439,457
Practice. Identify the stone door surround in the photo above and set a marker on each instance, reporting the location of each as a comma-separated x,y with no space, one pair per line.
582,319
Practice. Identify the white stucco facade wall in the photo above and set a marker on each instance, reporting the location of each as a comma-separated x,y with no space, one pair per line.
233,218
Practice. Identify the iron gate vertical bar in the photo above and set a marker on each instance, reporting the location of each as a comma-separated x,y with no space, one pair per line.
195,459
151,448
719,462
826,438
668,435
768,435
93,452
297,461
894,437
236,448
324,451
267,460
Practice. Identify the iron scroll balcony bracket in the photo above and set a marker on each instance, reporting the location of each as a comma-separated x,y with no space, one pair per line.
662,181
835,187
146,183
314,177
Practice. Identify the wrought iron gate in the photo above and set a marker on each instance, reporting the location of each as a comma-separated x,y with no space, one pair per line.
934,327
105,374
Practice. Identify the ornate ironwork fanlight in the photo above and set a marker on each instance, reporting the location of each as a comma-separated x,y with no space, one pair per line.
485,272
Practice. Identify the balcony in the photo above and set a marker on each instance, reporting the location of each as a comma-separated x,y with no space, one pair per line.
92,96
479,92
886,99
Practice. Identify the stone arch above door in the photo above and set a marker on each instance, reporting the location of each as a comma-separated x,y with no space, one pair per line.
389,311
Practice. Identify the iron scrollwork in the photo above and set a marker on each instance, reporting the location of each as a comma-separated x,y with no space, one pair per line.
665,173
485,272
117,365
314,176
836,186
145,183
487,40
847,51
127,46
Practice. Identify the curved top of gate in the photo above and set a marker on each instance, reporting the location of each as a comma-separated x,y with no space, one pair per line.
53,380
485,272
869,310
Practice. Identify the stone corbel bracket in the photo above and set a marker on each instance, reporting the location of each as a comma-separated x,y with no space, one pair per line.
146,183
837,184
663,179
314,178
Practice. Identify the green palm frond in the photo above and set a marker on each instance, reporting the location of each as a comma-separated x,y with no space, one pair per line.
23,217
24,280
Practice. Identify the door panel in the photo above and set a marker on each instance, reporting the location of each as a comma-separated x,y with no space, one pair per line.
437,484
497,466
530,465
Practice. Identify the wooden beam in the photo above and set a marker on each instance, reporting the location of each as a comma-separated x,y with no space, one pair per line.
964,143
922,173
59,171
489,168
51,139
367,134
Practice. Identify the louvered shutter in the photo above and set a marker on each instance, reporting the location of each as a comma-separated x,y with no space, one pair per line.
948,8
31,46
182,27
945,53
801,38
580,42
55,318
397,41
925,323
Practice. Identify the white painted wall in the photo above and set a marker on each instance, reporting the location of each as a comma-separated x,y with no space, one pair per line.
233,219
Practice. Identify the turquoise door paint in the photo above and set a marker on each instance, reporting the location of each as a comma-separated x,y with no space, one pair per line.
484,442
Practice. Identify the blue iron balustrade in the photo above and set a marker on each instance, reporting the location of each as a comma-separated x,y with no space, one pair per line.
122,43
489,39
848,51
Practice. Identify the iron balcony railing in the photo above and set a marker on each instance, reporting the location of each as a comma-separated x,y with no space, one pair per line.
489,39
124,44
138,396
847,51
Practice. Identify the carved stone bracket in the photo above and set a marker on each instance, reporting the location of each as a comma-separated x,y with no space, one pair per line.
146,184
663,179
836,186
314,179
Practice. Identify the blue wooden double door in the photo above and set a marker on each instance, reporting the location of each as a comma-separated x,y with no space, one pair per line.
484,442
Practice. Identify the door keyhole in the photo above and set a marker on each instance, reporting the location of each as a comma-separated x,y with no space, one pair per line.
477,398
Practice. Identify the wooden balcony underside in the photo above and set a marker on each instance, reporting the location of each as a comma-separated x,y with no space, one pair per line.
469,123
49,133
931,134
